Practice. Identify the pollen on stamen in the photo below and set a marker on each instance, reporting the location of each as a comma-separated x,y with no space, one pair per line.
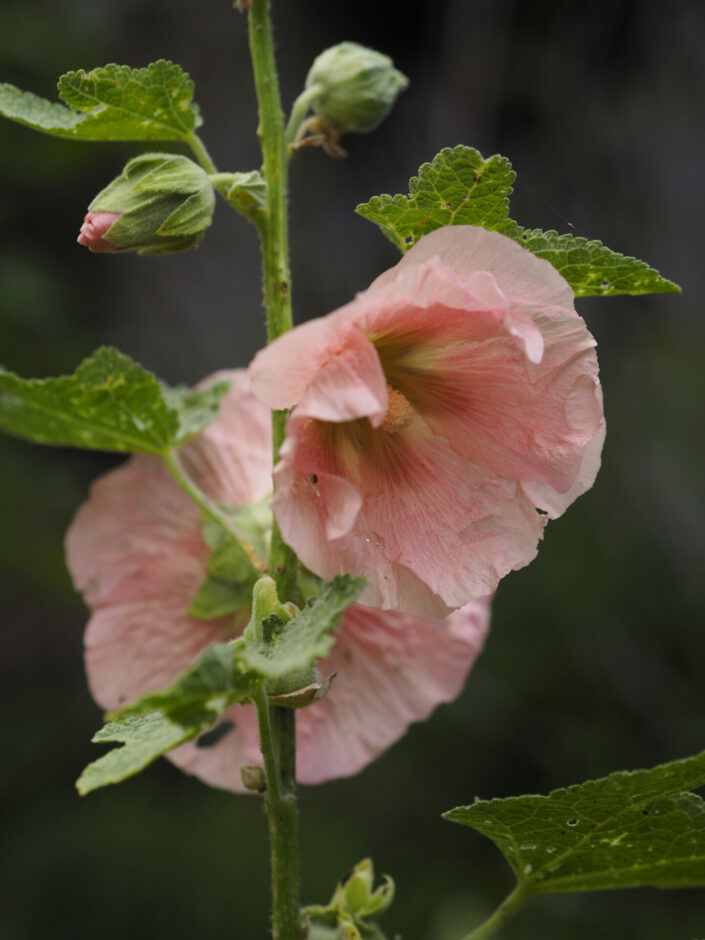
399,412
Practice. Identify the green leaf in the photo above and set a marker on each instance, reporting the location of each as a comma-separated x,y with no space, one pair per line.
114,102
294,644
145,737
217,679
109,403
231,576
231,568
348,914
460,187
623,831
590,268
224,674
195,408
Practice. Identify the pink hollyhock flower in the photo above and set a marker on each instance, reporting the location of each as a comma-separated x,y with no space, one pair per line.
136,552
94,227
433,416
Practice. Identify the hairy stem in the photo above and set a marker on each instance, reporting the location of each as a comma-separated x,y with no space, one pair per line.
299,111
513,903
211,509
280,801
275,238
200,152
277,725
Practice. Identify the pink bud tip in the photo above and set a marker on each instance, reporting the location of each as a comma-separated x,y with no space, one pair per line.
95,225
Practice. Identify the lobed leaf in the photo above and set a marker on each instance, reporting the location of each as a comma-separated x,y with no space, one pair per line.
109,403
460,187
114,102
217,679
623,831
224,674
298,642
144,738
590,268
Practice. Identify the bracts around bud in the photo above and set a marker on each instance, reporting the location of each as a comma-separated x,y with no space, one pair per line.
160,203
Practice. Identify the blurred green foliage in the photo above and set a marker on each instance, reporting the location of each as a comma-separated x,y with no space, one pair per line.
594,660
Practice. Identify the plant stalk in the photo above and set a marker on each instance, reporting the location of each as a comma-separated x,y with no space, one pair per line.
201,153
275,239
277,724
277,741
511,905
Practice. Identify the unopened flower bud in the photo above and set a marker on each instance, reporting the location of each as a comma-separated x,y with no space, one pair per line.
354,896
94,227
356,87
160,203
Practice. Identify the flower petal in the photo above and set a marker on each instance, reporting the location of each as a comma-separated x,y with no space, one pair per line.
525,279
425,516
391,669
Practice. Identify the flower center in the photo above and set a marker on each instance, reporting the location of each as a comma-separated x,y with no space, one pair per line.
399,413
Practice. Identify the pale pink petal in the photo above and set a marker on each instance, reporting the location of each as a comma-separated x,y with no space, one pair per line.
351,384
95,226
425,511
231,460
465,249
219,765
555,503
391,669
281,372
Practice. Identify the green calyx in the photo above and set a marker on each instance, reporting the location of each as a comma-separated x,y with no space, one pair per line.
353,907
164,202
353,87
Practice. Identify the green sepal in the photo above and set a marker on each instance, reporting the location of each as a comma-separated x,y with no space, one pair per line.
114,102
164,203
461,187
247,192
291,646
350,911
627,830
109,403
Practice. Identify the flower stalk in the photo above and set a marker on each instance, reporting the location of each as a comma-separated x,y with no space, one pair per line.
277,724
511,905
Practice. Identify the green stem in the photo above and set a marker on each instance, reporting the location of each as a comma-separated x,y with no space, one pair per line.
522,893
300,110
211,509
222,182
277,729
276,732
200,152
275,240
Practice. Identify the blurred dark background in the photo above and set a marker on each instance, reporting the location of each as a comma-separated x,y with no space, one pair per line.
595,660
